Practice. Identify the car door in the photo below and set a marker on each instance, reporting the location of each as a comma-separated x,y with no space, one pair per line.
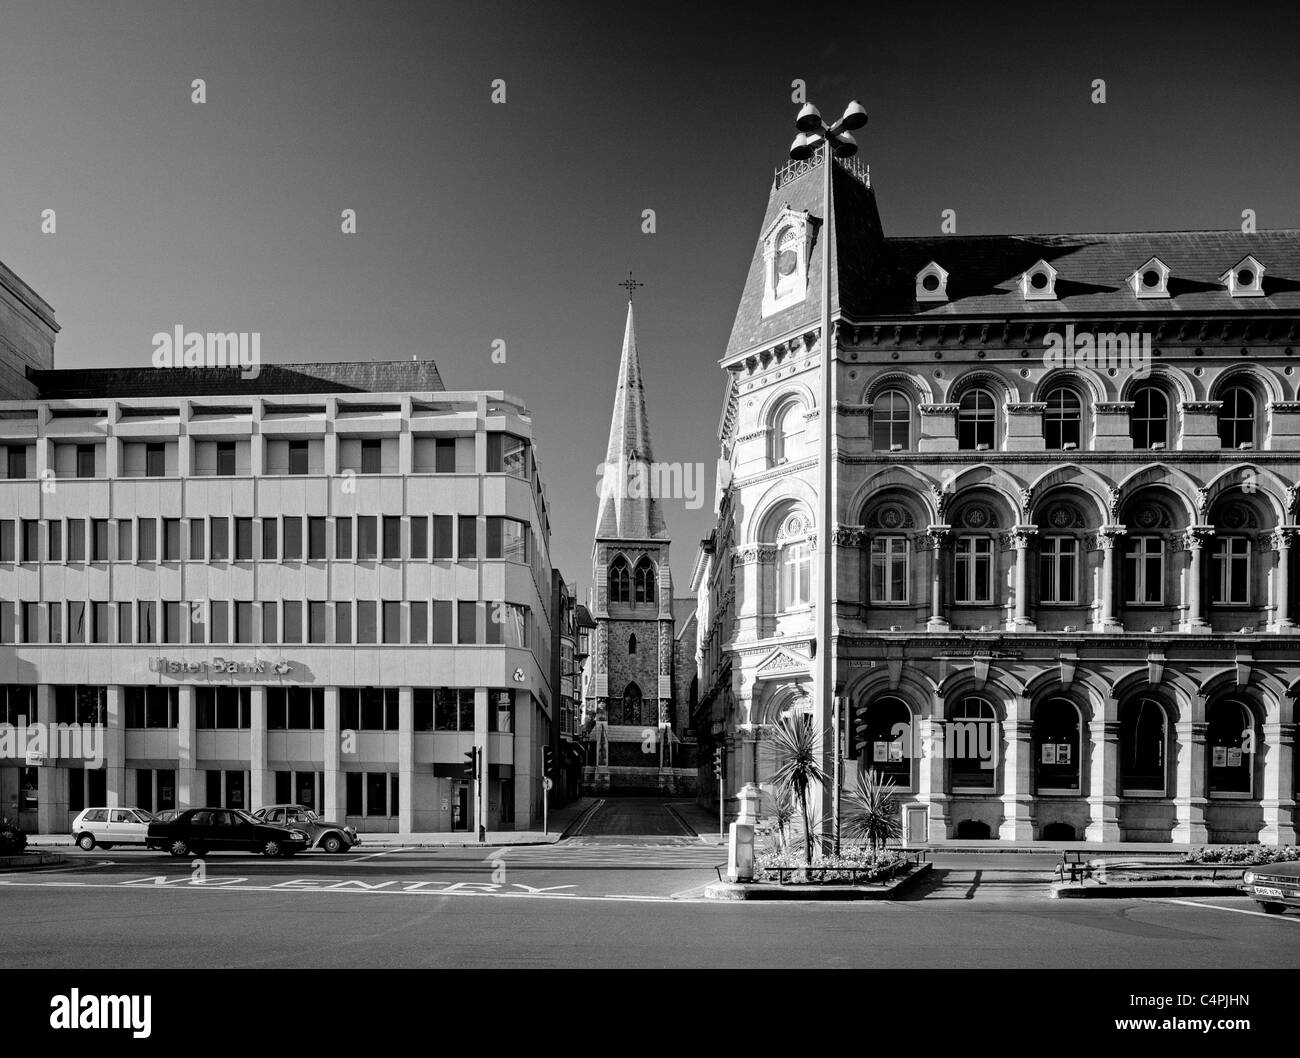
296,819
225,830
125,827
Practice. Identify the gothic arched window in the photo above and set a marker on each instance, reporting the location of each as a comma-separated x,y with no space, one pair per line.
620,581
645,581
631,643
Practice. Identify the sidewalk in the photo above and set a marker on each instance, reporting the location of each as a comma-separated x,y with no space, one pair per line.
560,820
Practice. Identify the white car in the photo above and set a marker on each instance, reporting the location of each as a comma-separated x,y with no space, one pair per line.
107,827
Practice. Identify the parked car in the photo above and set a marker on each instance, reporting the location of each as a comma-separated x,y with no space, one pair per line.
107,827
1275,886
198,831
166,815
332,837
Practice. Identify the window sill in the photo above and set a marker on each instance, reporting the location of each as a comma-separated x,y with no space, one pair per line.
1145,794
1227,795
1059,793
980,791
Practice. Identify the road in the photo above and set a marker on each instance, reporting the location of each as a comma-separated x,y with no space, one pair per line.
626,890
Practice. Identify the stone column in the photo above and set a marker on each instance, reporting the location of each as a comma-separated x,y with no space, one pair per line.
1281,540
336,787
261,781
1103,775
1021,536
938,537
1017,774
1195,539
1108,536
188,795
406,756
115,747
929,778
1190,797
1278,801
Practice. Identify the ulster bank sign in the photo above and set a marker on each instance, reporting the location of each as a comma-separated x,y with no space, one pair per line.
219,666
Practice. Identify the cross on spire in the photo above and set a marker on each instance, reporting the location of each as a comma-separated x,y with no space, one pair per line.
631,285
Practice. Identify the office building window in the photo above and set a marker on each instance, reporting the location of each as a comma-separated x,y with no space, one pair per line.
7,540
367,539
444,461
17,461
343,622
292,621
79,704
442,540
1058,566
507,454
295,709
225,459
220,610
297,457
173,618
419,622
219,539
392,537
442,621
270,539
243,539
152,707
198,539
102,622
243,622
171,540
223,708
85,461
76,622
392,622
1230,571
76,540
31,540
343,538
419,536
354,791
54,541
453,709
124,625
292,539
376,793
889,572
147,540
468,536
155,460
316,539
466,622
147,621
973,569
1144,570
366,630
317,622
270,623
368,708
508,539
371,451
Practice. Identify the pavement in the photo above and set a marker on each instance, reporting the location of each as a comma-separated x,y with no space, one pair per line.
625,888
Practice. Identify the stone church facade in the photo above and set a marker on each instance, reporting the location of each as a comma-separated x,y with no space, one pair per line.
639,694
1065,509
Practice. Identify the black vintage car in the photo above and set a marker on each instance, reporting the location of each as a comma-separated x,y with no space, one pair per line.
198,831
1275,886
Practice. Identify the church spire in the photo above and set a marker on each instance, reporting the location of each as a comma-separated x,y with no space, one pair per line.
629,506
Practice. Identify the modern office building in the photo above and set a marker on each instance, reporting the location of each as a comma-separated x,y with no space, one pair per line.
1065,504
327,584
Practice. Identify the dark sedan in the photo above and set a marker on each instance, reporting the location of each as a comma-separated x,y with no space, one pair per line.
198,831
1276,886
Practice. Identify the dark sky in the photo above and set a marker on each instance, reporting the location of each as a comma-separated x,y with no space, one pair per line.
479,221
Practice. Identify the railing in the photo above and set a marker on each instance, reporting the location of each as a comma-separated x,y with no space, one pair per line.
1074,868
796,168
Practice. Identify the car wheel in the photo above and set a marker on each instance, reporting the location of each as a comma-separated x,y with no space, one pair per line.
333,843
177,847
86,842
1272,909
272,848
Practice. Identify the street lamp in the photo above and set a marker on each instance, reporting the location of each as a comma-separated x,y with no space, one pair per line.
833,141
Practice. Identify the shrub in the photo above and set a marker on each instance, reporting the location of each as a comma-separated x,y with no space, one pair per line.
13,839
1247,855
878,864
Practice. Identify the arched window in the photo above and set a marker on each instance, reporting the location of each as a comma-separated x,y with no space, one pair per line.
620,581
787,432
1230,749
1143,748
886,740
977,420
972,744
645,581
891,422
631,708
1063,418
1230,571
1237,417
1149,420
795,562
1058,746
631,643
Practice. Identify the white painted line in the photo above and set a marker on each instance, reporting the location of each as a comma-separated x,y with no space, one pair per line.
376,855
1294,921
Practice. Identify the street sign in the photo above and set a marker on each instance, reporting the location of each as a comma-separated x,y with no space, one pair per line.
548,784
36,759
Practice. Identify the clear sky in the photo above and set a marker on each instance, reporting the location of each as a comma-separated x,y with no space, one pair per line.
480,221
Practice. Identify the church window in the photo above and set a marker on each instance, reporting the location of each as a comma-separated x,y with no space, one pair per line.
620,581
645,581
631,643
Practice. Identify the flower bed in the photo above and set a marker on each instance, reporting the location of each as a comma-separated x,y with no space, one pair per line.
13,839
1246,855
856,865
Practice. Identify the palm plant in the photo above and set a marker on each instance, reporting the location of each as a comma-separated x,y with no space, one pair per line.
782,816
871,811
797,750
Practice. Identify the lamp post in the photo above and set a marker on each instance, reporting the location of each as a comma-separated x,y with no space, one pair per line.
834,141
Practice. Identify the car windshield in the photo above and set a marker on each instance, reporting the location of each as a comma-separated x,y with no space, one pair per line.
243,817
146,817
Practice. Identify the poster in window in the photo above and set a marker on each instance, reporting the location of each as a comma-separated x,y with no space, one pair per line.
896,751
1049,752
1234,758
1219,757
880,751
1063,753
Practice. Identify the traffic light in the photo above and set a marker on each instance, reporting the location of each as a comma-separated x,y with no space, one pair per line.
717,763
471,764
548,761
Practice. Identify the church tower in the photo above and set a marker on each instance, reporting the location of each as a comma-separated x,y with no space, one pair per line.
632,600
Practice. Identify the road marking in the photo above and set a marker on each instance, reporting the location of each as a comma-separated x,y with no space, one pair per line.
376,855
586,816
1235,910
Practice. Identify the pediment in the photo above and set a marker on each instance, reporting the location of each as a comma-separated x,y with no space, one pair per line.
783,662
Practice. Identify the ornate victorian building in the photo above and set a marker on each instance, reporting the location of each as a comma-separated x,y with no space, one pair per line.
1065,506
639,695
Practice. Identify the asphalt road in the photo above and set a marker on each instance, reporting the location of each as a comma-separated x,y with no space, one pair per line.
599,899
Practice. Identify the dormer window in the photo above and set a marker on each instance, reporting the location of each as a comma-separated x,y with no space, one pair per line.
1039,283
786,246
1245,279
1151,280
932,283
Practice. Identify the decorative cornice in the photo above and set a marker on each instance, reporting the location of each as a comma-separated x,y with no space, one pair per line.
1194,537
1285,406
1113,407
938,409
852,535
1026,407
1202,406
